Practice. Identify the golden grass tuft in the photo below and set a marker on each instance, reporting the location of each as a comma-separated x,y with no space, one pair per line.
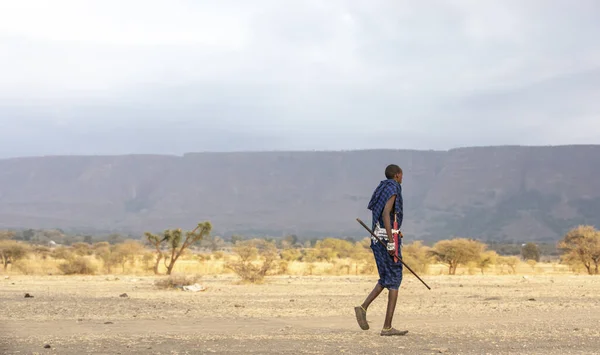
176,281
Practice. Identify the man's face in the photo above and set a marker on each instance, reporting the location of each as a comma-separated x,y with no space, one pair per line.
398,178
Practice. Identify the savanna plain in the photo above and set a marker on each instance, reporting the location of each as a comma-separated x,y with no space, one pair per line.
542,309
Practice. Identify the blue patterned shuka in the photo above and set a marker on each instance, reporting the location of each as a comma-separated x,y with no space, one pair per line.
390,272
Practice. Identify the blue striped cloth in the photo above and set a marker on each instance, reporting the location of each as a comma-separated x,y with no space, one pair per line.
390,272
380,196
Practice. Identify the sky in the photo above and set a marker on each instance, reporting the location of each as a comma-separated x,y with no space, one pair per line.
176,76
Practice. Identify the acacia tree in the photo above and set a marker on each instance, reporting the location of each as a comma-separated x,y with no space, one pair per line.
174,240
486,259
11,251
157,242
582,245
510,261
457,251
530,251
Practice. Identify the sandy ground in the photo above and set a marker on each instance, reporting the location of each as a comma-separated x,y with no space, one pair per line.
300,315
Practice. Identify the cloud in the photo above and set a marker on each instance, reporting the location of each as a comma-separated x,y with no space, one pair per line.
297,74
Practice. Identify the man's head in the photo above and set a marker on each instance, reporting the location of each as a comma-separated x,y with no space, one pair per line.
393,171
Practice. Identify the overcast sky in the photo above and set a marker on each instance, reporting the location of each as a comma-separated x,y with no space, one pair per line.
128,76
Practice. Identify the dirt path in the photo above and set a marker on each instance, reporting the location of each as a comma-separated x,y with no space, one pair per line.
492,315
548,334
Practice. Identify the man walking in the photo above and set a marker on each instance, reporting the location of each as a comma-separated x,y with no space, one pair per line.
386,206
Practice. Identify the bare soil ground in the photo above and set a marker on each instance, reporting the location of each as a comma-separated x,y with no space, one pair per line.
550,314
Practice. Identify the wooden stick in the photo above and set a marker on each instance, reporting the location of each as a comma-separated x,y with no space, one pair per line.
385,244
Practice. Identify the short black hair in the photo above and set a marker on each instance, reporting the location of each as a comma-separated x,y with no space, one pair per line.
391,171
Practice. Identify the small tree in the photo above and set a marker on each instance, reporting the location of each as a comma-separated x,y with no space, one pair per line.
256,258
530,251
109,255
156,241
510,261
582,244
457,251
11,251
128,251
176,243
486,259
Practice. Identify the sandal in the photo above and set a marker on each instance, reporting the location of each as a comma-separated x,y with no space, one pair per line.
361,317
392,331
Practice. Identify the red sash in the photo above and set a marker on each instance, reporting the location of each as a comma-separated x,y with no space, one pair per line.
395,234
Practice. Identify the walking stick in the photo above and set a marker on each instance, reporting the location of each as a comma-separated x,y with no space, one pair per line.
385,244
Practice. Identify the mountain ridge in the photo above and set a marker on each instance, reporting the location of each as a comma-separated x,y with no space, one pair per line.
504,193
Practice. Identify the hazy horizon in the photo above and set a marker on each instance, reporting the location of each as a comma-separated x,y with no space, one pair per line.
151,77
297,151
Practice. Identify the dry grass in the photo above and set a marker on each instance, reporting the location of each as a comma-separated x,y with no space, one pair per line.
176,281
205,264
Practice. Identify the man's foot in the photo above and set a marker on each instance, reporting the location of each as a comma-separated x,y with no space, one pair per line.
361,317
392,331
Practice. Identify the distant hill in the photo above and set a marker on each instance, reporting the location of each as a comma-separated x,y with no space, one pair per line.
494,193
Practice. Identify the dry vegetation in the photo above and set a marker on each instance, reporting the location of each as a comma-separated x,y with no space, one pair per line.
253,260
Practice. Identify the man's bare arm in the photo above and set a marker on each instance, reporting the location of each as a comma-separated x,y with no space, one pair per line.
387,223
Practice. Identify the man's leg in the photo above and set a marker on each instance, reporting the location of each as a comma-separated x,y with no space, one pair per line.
391,307
395,280
372,296
361,311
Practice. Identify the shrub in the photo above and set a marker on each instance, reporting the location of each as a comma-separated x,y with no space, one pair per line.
42,251
177,281
510,261
417,256
291,254
25,267
256,258
63,253
148,259
81,265
282,267
82,249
